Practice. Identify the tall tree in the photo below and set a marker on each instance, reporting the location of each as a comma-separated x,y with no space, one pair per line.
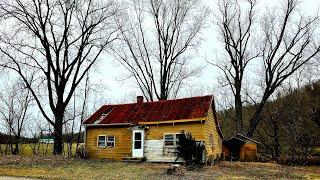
60,41
286,42
157,42
286,45
235,25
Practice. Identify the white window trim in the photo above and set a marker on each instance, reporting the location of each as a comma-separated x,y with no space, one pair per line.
174,139
106,140
105,137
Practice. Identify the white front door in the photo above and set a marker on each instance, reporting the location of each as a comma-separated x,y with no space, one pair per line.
137,143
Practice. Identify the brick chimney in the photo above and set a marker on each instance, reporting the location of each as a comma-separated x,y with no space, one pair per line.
139,99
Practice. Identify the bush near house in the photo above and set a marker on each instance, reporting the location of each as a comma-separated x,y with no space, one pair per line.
190,150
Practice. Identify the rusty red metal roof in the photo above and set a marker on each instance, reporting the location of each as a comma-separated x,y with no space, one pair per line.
178,109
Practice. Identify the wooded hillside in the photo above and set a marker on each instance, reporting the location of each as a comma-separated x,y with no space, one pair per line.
289,124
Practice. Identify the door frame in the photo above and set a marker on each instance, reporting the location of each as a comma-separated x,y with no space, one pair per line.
138,153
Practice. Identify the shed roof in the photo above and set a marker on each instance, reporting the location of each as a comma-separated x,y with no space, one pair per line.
241,138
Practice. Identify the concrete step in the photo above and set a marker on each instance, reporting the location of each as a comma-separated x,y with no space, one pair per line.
133,159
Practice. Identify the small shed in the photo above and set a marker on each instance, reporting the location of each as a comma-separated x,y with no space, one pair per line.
240,148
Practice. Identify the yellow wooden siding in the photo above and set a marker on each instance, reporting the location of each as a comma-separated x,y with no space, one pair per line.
210,128
248,152
195,128
122,142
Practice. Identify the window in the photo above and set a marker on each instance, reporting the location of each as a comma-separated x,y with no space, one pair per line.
211,140
101,141
137,140
110,141
171,139
106,141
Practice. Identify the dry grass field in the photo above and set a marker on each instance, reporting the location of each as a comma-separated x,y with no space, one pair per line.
39,148
57,167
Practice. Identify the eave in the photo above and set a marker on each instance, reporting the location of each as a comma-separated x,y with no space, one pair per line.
114,124
173,121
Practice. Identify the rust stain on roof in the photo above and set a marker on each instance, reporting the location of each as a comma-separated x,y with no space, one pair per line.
187,108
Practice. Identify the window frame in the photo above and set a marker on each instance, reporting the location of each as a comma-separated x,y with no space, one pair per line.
137,140
98,137
106,141
114,141
174,139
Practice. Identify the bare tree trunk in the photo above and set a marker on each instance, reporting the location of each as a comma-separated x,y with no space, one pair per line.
16,148
256,118
84,109
238,107
236,29
58,139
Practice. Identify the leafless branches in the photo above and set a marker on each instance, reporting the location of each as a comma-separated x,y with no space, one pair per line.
58,41
286,46
154,46
15,102
285,42
236,31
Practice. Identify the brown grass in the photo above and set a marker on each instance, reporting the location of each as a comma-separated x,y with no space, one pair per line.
42,149
57,167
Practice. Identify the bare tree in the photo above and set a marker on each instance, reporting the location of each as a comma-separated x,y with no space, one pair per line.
60,41
84,110
15,102
235,25
286,46
155,46
286,42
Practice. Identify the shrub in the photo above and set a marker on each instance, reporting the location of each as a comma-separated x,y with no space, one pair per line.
310,160
190,150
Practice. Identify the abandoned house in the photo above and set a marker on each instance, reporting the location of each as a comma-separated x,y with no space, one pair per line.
150,130
240,148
